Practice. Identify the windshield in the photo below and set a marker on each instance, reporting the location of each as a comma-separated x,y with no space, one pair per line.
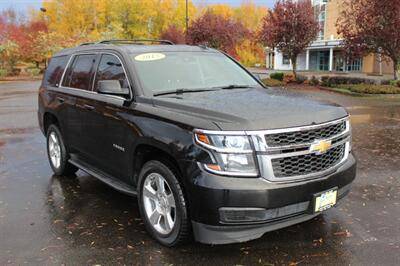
169,71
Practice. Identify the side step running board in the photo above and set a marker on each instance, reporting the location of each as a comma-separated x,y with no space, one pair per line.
111,181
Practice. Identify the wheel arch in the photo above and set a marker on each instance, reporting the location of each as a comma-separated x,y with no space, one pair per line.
50,119
147,151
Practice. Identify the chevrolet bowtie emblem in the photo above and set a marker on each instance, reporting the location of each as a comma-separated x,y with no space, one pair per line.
320,146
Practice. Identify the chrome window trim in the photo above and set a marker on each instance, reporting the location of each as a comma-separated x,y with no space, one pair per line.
60,86
264,155
73,55
126,76
65,70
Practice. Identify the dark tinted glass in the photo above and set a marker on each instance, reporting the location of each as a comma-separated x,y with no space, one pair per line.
110,68
54,71
79,75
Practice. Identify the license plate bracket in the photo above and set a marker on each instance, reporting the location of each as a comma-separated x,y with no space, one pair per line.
325,200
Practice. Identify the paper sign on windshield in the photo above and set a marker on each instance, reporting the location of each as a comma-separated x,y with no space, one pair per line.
150,57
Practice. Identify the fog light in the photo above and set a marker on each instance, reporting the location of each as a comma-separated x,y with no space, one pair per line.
242,215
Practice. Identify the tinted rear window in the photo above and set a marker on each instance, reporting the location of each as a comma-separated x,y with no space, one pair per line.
54,71
80,73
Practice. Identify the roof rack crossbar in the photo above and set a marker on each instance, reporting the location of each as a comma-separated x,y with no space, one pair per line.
138,41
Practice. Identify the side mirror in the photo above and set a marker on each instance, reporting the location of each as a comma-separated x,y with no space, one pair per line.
112,87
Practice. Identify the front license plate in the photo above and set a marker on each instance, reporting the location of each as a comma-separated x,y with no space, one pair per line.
325,200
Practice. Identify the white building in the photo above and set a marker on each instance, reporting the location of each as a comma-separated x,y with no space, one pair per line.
325,53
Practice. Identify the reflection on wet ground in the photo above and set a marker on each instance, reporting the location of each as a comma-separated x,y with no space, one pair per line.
55,220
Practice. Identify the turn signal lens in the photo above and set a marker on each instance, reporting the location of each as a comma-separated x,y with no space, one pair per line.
213,167
203,138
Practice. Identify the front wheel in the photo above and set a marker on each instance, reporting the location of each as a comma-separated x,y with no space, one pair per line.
57,153
162,204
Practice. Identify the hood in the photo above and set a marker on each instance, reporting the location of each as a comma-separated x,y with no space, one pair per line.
252,109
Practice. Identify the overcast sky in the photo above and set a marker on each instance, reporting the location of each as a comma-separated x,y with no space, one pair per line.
23,5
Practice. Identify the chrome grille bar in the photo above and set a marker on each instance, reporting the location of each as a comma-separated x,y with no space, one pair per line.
266,154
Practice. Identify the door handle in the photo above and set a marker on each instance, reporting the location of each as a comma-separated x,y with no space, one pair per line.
88,107
60,100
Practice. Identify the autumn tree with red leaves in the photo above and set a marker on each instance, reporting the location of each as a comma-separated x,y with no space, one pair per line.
9,48
31,50
371,26
217,31
174,34
289,27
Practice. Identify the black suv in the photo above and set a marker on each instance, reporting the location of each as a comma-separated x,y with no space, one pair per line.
207,149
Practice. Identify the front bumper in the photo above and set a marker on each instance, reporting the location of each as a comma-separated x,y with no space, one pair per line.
287,203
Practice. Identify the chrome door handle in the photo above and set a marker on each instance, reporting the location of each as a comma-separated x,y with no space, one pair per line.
60,100
88,107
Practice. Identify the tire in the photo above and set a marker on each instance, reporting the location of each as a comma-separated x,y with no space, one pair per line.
152,199
57,153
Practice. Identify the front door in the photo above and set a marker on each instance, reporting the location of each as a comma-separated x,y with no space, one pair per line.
323,60
106,123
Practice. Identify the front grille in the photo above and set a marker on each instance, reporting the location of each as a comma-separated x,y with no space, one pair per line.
304,137
308,163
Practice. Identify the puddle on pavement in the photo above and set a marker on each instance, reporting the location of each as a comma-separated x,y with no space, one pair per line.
17,130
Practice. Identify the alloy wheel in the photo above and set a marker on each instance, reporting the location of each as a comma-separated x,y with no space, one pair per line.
159,203
54,150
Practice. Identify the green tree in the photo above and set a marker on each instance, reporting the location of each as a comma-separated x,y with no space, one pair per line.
8,55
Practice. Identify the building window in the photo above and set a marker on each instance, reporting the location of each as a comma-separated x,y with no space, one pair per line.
285,60
354,65
320,16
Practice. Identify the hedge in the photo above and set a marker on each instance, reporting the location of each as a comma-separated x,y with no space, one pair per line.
273,82
277,76
330,81
3,72
371,88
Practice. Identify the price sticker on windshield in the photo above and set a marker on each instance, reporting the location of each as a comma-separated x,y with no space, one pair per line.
149,57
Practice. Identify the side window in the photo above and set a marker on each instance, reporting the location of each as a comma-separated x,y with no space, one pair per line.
79,74
110,68
54,71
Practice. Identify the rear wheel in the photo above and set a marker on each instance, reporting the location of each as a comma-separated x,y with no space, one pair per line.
57,153
162,204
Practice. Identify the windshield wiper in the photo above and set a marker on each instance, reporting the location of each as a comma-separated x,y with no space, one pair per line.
181,91
234,86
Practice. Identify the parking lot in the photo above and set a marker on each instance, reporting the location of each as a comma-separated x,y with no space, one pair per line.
56,220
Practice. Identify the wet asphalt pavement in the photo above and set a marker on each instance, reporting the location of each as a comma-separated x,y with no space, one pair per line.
57,220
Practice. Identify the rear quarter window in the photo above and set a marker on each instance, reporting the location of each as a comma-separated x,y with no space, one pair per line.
54,71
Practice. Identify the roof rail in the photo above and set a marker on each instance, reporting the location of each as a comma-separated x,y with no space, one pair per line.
136,41
86,43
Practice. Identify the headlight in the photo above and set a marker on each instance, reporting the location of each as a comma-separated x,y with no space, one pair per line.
232,154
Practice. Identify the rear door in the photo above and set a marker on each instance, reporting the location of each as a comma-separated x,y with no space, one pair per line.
77,82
